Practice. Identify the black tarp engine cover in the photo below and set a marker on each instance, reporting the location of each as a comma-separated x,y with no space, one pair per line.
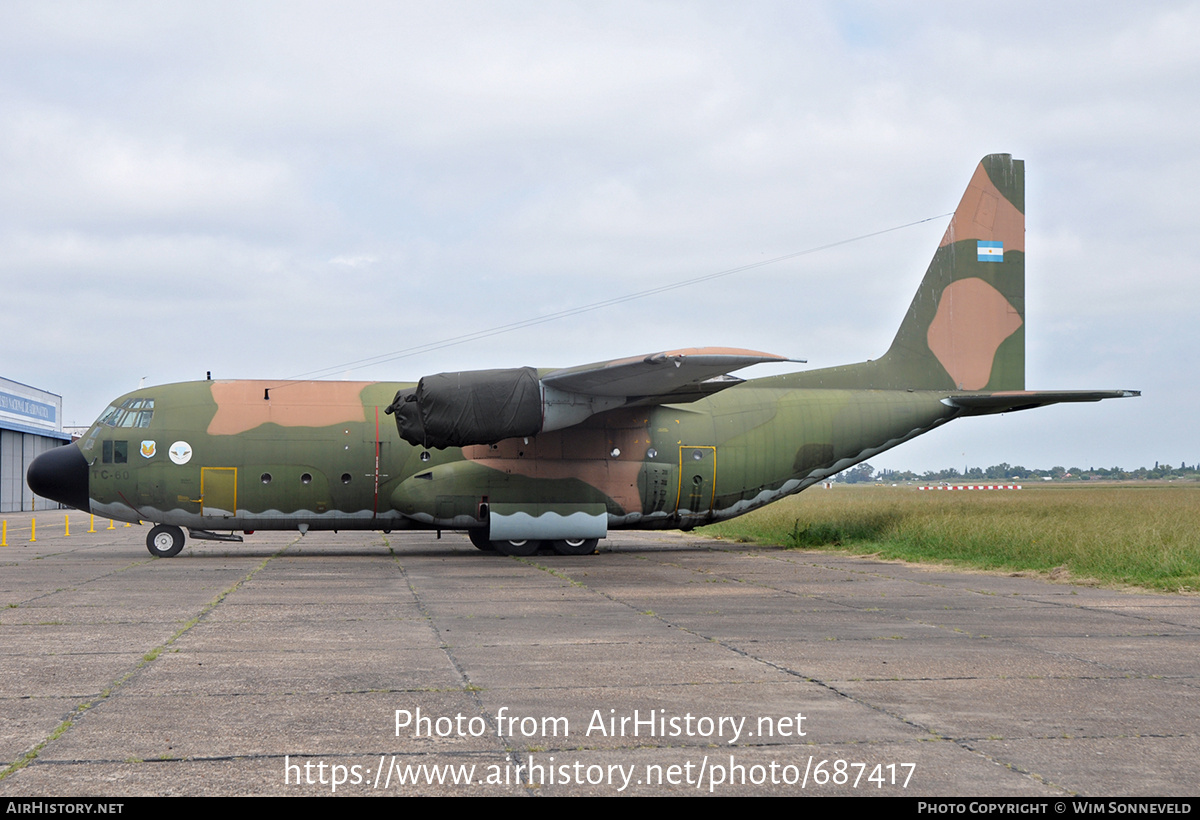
472,407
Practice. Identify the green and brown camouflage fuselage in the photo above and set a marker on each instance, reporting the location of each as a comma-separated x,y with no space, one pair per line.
648,442
658,466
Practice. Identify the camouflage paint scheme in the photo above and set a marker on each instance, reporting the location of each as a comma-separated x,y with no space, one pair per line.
324,455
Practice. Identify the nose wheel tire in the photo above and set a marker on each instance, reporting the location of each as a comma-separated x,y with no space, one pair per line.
575,546
164,541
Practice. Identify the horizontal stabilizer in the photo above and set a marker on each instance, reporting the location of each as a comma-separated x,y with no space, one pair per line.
1008,401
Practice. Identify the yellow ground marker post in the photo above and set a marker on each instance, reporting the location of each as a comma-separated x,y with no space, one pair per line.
4,535
111,526
32,530
67,524
92,524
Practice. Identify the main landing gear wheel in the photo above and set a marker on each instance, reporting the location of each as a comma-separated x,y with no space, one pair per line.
164,541
520,548
575,546
479,538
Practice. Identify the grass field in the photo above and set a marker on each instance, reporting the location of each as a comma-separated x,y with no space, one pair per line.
1143,535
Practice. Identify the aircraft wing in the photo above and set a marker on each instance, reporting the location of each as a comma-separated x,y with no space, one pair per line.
485,406
694,372
1008,401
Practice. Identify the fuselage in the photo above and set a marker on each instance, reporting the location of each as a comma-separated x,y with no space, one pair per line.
247,455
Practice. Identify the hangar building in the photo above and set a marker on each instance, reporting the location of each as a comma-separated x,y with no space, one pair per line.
30,424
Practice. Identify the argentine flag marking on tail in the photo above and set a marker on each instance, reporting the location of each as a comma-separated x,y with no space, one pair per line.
991,251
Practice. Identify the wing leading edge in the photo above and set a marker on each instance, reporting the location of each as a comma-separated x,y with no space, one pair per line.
668,373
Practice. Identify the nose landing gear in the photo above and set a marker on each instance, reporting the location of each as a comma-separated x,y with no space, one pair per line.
164,541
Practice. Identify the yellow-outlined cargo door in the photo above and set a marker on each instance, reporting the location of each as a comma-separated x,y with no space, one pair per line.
697,480
218,491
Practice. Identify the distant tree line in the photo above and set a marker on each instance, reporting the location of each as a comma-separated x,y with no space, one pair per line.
864,473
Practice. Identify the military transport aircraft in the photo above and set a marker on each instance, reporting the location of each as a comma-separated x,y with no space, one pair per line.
524,457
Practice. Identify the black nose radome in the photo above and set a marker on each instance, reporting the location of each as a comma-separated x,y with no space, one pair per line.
61,475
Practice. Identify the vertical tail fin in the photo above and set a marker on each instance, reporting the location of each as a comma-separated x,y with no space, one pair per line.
965,328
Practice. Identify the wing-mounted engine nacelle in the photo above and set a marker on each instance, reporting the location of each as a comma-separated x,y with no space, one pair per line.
485,406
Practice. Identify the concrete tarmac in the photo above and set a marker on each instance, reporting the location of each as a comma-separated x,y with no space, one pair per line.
363,663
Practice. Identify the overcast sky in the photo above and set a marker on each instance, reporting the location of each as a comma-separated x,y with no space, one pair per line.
274,189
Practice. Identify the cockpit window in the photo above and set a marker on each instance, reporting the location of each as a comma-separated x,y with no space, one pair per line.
115,452
131,413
